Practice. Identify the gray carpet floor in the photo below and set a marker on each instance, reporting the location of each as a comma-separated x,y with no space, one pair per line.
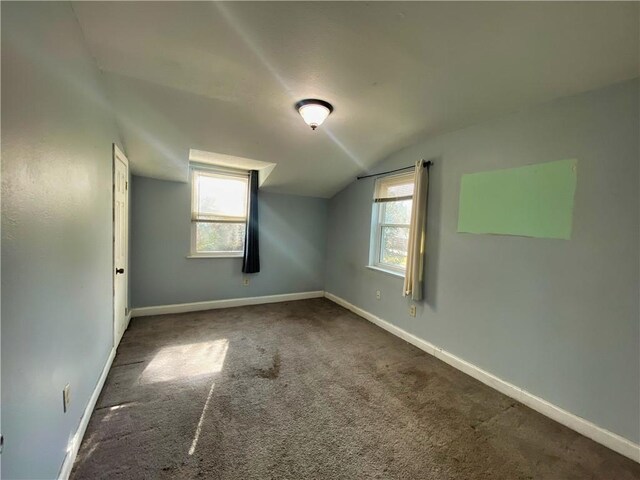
308,390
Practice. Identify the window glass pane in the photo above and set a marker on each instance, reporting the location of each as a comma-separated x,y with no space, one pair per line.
393,246
221,196
397,212
219,237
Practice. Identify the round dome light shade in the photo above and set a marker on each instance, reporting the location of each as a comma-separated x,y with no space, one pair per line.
314,111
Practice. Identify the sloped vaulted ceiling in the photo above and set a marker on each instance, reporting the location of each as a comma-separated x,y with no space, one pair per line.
223,77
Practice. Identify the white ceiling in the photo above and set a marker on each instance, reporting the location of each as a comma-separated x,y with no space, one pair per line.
223,77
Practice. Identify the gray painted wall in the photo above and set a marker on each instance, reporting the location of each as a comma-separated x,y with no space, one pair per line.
56,233
558,318
292,248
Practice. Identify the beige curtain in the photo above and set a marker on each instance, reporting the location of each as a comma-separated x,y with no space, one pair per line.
414,276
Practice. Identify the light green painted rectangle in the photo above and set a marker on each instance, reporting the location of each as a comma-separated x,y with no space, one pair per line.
531,201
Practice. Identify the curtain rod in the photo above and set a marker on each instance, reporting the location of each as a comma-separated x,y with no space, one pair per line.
425,163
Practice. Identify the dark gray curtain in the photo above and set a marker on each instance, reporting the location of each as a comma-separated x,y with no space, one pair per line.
251,260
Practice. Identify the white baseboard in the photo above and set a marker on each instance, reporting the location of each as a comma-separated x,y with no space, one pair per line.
608,439
74,443
231,302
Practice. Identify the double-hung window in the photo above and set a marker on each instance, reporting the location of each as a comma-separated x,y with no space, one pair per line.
218,212
393,200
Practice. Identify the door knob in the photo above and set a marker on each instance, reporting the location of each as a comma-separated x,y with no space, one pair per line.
119,270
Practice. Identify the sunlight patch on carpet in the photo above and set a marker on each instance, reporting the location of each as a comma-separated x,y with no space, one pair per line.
189,360
199,427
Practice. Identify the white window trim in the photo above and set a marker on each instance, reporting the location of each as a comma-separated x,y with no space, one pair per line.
193,253
385,270
216,255
376,237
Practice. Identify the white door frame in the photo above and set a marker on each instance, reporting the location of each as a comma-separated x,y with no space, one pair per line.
118,155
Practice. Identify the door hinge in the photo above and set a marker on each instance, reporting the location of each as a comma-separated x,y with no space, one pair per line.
126,185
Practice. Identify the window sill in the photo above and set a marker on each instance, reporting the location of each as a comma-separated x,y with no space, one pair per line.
215,255
384,270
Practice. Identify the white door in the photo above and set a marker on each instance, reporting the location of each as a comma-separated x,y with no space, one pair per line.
120,242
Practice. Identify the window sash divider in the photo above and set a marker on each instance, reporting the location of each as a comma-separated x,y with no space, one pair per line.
393,199
222,220
394,225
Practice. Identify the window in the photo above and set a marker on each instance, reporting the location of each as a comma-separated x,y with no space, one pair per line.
393,199
218,213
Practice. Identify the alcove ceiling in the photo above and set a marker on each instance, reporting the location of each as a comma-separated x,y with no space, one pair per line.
223,77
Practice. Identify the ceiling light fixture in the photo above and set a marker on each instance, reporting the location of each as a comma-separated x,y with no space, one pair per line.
314,111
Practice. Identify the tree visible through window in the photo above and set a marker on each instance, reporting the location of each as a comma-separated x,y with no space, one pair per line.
393,200
218,212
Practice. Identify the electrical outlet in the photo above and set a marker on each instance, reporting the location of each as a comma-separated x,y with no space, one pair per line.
66,397
245,281
378,294
412,311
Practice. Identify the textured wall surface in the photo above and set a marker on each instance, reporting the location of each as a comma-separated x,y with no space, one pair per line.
558,318
56,234
292,248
